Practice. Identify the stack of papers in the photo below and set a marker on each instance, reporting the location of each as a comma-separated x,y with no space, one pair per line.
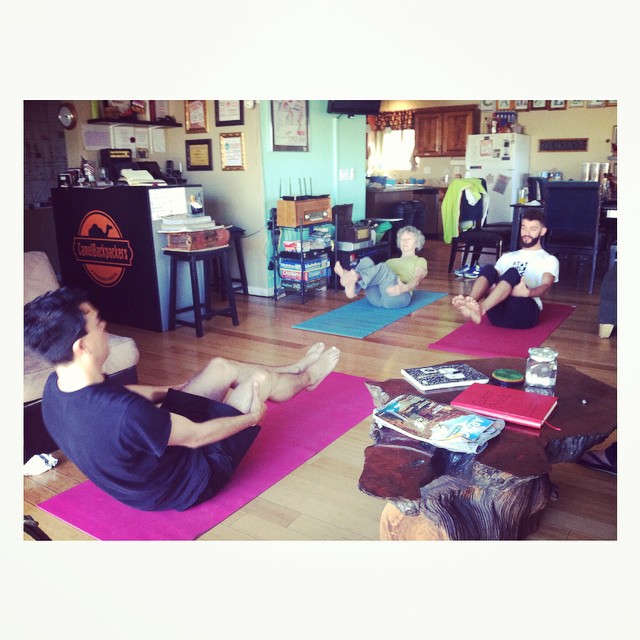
140,178
180,224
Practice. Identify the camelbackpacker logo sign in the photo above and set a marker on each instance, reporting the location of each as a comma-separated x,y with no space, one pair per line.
101,249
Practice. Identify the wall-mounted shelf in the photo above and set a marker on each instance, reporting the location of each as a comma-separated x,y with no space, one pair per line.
135,123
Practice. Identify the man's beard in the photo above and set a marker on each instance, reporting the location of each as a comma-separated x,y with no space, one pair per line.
526,244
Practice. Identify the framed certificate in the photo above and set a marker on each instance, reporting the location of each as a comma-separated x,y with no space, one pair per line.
195,116
229,112
199,155
232,151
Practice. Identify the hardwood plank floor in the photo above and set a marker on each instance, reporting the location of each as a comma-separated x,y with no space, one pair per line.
320,500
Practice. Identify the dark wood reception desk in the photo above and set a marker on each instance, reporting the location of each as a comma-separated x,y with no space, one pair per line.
108,244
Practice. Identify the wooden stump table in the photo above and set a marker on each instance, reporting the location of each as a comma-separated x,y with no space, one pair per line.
497,494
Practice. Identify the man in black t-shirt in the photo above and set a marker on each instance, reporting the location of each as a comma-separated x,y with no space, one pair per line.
147,456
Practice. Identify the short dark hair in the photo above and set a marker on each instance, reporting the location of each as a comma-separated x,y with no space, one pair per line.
53,322
533,215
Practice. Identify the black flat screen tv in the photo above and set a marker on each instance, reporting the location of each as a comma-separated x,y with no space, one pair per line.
354,107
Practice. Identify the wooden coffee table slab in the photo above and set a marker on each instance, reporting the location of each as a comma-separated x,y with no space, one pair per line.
498,493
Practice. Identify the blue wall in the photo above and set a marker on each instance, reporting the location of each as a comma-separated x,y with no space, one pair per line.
335,143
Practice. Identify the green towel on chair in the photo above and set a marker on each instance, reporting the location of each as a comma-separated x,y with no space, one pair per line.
450,208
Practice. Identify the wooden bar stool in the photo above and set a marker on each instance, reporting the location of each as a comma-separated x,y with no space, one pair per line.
237,233
201,309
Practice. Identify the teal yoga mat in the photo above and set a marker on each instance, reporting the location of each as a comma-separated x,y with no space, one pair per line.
359,319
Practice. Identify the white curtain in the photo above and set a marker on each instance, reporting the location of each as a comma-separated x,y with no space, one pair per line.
391,150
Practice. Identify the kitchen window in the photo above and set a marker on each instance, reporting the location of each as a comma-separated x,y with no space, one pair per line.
391,150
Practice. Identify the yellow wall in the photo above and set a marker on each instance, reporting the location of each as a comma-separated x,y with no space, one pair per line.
595,124
231,197
237,197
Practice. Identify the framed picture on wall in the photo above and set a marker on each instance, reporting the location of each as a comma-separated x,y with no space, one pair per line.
537,105
521,105
195,116
290,125
115,109
232,151
501,105
575,104
229,112
591,104
557,104
199,155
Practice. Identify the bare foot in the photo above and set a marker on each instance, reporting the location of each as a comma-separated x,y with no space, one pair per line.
316,347
348,279
312,354
322,367
458,301
471,310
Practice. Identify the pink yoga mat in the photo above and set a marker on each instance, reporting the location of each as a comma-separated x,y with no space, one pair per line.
292,432
487,341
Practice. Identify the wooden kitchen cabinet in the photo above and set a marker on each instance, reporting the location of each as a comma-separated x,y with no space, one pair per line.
443,131
428,128
456,127
379,203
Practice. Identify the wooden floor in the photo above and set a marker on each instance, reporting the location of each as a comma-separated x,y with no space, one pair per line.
320,500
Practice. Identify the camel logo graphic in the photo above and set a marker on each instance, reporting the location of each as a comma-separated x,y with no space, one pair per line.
100,247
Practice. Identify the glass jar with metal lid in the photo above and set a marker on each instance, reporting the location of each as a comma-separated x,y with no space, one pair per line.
542,367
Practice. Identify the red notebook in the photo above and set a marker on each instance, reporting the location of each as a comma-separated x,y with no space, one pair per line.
512,405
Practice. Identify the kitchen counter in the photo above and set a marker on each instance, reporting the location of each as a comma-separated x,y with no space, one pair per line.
408,187
380,203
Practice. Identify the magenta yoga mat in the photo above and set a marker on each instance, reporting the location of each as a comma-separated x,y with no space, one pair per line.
486,341
292,432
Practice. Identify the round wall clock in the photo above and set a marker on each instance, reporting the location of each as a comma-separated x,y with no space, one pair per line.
67,115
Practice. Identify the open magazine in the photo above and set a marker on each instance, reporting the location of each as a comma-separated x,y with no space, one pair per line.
438,424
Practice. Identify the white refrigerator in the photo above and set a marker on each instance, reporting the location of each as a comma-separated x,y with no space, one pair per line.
502,159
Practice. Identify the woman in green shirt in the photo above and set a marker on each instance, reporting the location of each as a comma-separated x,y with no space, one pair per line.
388,284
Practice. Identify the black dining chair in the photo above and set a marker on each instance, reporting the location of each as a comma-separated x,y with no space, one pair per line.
480,239
537,189
572,218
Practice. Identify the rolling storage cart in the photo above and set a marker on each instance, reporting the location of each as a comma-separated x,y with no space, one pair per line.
303,257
